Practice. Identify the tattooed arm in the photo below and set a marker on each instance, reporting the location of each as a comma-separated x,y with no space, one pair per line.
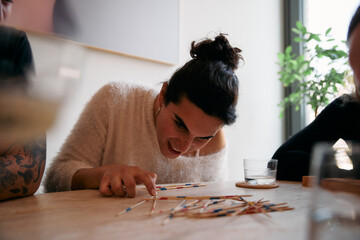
22,168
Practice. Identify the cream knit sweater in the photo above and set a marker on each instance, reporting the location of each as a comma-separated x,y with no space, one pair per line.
117,126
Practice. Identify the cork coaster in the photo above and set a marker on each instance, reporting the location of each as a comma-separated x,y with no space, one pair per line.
257,186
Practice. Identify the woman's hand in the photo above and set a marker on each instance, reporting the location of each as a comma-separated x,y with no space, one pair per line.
121,180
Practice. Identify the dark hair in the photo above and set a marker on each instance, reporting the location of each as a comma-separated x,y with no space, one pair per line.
16,58
208,80
354,22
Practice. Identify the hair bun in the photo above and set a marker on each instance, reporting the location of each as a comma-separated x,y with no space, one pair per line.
218,49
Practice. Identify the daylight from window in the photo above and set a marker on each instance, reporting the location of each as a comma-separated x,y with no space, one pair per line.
321,15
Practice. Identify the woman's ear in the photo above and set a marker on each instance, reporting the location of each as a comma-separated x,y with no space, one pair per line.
163,92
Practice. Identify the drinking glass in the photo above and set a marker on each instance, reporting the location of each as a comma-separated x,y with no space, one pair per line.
260,171
335,201
30,108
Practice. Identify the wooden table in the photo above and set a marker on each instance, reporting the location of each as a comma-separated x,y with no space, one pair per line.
87,214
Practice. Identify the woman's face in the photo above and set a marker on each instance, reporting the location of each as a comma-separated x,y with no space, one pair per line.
354,54
184,128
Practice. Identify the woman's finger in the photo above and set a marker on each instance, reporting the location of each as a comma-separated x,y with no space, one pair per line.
130,185
105,187
117,186
148,179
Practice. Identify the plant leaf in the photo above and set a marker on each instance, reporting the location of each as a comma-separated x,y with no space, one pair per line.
328,31
298,39
312,81
301,27
288,50
295,30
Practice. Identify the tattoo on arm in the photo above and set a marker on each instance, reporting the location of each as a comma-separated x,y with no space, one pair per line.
19,158
37,152
7,178
17,190
27,175
21,168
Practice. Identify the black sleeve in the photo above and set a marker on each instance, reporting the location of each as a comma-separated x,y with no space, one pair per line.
16,58
294,155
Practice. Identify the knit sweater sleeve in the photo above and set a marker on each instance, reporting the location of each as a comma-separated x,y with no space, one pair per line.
84,146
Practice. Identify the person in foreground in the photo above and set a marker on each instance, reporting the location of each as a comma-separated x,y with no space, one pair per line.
340,119
130,134
22,162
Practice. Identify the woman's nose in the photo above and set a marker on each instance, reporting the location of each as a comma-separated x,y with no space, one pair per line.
185,144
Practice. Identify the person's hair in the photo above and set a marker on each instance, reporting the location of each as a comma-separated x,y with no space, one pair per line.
354,22
208,80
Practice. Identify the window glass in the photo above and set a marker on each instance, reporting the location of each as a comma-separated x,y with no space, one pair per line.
319,15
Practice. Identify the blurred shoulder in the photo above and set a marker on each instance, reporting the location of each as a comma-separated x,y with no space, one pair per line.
346,102
345,99
123,89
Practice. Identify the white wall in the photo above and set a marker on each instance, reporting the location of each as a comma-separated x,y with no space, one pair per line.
254,26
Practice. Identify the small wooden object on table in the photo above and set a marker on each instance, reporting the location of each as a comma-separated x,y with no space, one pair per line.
256,186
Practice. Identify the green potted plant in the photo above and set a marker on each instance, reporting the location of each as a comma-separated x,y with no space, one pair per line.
318,72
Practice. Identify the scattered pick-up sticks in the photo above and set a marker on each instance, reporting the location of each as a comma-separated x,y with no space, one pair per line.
200,209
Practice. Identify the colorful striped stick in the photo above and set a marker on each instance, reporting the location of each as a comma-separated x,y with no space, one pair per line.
173,211
218,211
246,208
205,206
201,197
191,204
229,212
181,185
178,187
264,208
184,210
215,214
132,207
153,206
259,208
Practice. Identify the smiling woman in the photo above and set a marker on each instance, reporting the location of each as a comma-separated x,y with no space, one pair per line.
183,129
130,134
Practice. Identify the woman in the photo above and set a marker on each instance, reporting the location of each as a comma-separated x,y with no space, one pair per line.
340,119
129,134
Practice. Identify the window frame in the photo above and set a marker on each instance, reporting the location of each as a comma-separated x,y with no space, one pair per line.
293,12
